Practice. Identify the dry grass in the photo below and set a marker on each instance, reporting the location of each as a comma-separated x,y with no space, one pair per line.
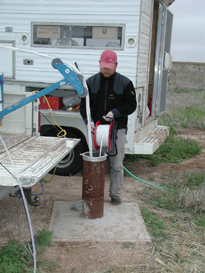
193,199
182,250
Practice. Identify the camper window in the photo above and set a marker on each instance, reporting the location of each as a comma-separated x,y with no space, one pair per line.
80,36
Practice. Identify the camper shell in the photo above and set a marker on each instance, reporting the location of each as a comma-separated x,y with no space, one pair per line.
139,31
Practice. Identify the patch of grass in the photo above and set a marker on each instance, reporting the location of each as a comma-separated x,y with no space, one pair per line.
195,180
187,194
154,224
165,199
17,258
14,258
174,150
43,239
200,221
184,110
190,116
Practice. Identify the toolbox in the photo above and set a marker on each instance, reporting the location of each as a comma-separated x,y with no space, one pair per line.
55,103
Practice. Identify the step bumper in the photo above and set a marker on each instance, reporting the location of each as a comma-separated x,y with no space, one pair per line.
150,143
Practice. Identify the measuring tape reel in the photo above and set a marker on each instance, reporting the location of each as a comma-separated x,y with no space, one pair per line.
105,135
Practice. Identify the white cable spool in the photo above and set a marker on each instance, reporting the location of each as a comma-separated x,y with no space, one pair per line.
103,136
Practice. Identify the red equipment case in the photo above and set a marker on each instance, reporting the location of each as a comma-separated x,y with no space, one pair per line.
55,103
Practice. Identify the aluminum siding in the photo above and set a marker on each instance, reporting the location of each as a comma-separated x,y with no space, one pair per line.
19,14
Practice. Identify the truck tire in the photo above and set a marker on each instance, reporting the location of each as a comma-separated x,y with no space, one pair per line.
73,162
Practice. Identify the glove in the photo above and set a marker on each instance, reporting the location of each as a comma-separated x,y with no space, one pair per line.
92,126
109,117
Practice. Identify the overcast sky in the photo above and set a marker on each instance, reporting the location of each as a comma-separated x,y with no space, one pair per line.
188,33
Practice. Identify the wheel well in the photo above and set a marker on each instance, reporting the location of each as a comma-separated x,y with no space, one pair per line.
46,128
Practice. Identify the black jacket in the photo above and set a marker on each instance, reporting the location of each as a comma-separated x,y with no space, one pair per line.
115,93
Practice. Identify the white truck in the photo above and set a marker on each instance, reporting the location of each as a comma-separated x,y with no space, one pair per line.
139,31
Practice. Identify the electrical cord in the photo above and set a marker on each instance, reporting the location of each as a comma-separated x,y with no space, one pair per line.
45,182
49,121
61,129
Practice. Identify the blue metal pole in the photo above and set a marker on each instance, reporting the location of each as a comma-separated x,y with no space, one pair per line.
25,101
69,77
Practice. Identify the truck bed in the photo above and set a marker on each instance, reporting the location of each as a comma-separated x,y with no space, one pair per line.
32,157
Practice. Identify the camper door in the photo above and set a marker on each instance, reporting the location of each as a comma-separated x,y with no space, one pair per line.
163,60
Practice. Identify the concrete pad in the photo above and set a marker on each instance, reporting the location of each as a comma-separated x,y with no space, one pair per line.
119,223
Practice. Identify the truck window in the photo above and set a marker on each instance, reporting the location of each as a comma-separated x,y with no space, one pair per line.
79,36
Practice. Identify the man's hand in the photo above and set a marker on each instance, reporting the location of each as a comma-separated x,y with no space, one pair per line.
92,126
109,117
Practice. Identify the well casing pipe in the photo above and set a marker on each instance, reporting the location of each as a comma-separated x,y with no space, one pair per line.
93,185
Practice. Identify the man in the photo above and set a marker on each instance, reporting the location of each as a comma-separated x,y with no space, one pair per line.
112,96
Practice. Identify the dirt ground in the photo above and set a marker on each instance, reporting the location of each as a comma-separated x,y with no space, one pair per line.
92,256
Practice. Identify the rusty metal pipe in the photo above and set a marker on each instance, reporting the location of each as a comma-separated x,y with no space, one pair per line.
93,185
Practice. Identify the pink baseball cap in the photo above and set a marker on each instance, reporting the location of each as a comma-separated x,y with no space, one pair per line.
108,59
